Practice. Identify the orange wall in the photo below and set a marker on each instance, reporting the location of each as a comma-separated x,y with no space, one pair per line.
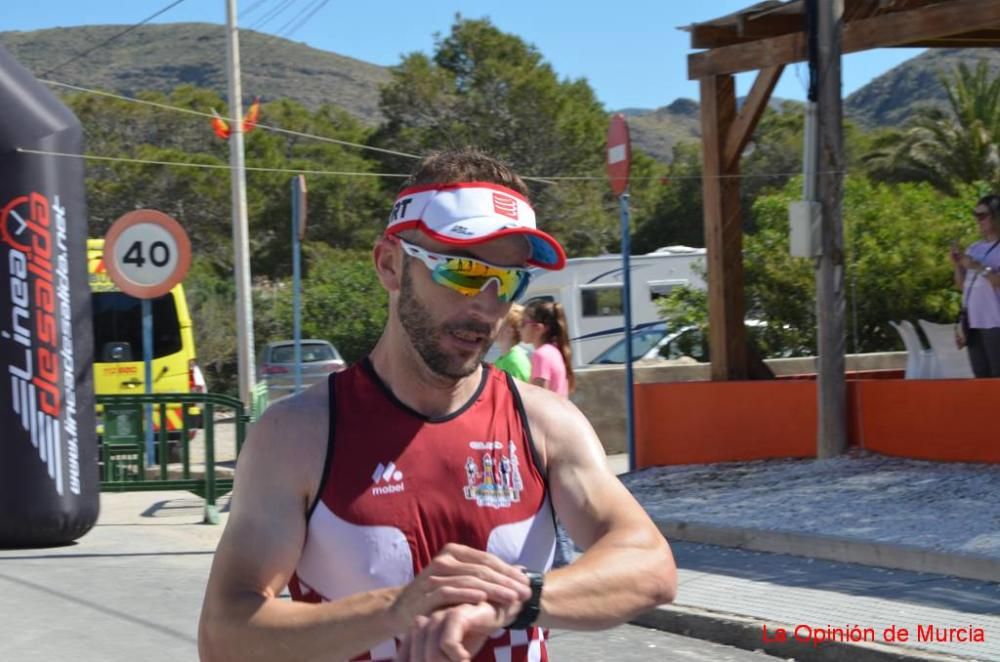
703,422
698,422
954,420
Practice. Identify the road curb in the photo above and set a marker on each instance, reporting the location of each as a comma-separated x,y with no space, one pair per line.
837,548
746,633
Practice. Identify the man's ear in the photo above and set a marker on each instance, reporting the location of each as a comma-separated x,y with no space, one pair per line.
388,263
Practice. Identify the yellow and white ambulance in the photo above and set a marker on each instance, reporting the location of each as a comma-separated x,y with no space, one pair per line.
118,350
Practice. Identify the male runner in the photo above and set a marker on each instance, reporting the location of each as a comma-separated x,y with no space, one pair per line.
408,502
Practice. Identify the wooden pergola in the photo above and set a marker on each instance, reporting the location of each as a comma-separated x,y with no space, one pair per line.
765,37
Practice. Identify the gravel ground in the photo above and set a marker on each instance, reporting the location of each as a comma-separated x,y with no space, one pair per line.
953,507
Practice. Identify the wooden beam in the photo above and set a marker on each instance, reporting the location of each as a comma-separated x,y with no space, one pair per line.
905,27
746,121
744,29
960,42
771,25
713,36
723,231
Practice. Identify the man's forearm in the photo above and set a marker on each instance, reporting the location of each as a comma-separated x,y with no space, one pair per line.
253,627
616,579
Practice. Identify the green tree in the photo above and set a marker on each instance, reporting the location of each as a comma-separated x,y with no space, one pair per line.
342,301
211,298
488,89
676,215
896,243
771,160
345,212
947,147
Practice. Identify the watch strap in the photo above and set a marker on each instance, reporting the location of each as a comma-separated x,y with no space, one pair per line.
532,606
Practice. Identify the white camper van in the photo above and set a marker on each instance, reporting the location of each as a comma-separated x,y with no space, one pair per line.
590,289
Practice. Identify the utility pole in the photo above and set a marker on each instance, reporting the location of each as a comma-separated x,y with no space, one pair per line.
241,244
832,424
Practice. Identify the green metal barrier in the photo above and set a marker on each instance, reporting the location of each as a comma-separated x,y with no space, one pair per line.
258,400
123,446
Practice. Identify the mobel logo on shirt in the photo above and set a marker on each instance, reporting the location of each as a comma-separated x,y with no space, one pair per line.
390,476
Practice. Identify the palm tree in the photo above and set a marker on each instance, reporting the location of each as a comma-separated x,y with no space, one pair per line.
943,147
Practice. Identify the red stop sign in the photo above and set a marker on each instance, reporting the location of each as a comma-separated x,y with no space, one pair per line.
619,154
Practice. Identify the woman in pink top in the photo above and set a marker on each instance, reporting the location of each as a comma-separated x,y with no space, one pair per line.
544,326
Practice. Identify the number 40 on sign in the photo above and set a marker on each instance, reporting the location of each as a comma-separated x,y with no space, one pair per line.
146,253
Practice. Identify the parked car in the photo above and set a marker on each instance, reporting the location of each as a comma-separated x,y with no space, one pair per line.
656,341
277,364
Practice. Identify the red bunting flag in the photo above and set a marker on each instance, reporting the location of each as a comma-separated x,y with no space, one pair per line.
221,126
253,114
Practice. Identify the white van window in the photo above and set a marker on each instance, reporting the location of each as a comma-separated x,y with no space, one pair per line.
661,288
601,301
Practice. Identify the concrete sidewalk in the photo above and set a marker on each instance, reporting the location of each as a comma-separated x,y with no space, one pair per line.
730,596
130,589
916,527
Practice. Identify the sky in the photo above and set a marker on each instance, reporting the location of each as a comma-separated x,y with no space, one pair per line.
630,51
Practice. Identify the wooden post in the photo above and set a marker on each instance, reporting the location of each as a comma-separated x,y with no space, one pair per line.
832,433
723,231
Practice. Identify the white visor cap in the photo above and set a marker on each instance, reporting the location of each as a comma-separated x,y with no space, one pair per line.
472,213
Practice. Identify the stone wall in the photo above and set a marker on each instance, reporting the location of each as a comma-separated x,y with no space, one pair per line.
600,391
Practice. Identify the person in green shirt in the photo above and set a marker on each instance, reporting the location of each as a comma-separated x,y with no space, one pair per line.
514,359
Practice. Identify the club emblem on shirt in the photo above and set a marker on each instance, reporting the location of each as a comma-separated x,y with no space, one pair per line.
495,480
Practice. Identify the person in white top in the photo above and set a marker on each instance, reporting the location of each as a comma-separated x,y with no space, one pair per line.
977,274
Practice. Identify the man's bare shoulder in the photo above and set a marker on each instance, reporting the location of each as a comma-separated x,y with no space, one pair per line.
554,420
546,408
294,431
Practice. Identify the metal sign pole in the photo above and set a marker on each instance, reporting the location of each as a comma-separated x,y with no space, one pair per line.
296,284
627,307
147,358
619,162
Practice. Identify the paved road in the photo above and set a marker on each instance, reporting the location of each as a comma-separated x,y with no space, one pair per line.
131,589
630,643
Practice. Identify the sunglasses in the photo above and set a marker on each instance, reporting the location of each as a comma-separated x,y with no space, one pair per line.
981,214
469,276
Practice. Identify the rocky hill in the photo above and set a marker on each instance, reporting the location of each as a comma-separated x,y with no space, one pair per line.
657,131
159,57
891,98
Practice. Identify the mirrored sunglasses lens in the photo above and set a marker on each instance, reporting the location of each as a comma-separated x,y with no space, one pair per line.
469,278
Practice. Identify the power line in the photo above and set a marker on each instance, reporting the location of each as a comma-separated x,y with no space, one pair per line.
340,173
207,166
113,37
281,6
298,23
189,111
252,8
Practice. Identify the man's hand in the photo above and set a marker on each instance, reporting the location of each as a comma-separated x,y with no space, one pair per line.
459,575
455,634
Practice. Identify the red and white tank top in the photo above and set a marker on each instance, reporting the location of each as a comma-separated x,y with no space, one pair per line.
398,486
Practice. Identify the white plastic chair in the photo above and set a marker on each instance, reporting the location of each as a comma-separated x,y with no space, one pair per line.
950,362
918,360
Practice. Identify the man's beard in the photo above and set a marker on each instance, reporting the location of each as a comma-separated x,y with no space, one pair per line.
426,336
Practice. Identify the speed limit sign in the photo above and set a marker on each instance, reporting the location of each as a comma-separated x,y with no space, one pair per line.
146,253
